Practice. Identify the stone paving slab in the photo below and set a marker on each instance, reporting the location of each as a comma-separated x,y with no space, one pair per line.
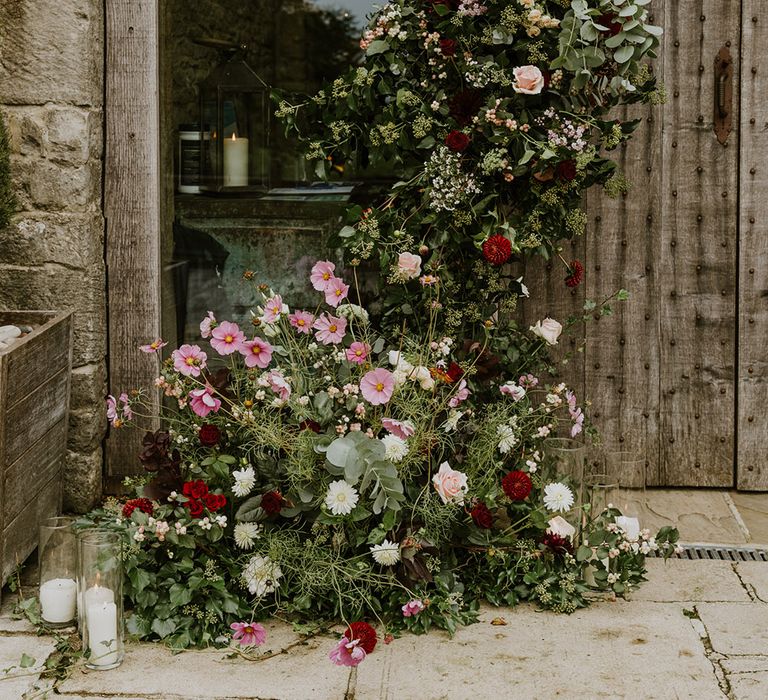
753,508
151,671
736,628
620,650
683,580
11,650
755,575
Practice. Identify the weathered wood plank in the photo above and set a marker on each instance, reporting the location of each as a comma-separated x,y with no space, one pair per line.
132,208
697,291
752,425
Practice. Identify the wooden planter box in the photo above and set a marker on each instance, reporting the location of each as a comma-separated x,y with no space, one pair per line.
34,407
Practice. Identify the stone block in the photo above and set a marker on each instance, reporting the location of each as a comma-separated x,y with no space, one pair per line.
53,186
71,240
89,386
52,51
87,428
736,628
681,580
82,481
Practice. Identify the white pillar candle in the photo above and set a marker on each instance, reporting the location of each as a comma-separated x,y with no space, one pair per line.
235,162
58,600
101,620
98,594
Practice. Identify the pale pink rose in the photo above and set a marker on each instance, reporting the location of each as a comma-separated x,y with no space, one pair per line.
153,347
278,384
322,274
248,634
257,352
413,608
207,325
202,401
226,338
377,386
358,352
560,526
347,653
302,321
548,329
451,485
513,390
462,394
189,360
273,309
336,292
409,265
402,429
529,80
330,330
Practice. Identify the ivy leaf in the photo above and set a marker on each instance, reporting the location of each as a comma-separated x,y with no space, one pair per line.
162,628
27,661
583,553
377,47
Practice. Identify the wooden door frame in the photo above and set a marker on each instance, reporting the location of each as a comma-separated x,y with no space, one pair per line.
132,211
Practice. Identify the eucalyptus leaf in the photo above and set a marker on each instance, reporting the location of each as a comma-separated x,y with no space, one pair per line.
623,54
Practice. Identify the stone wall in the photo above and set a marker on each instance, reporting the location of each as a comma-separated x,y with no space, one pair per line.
52,255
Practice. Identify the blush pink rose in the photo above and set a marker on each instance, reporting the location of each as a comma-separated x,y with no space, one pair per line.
409,265
529,80
548,329
451,485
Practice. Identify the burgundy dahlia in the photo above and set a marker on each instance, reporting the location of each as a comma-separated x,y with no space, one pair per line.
481,516
143,504
448,47
497,249
557,544
194,507
365,633
517,485
457,141
609,20
272,502
576,274
464,106
566,170
209,435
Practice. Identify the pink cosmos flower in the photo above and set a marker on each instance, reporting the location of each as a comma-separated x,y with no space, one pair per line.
207,325
412,608
257,352
153,347
428,280
577,415
330,330
273,308
528,381
461,394
335,292
358,352
189,360
202,401
302,321
278,384
377,386
249,634
322,274
226,338
347,653
402,429
118,415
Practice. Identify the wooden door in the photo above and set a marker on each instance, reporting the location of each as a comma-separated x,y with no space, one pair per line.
678,372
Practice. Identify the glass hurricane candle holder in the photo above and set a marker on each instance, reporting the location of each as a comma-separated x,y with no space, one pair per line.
100,582
57,560
627,470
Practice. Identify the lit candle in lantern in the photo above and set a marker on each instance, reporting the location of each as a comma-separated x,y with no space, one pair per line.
235,162
58,600
101,619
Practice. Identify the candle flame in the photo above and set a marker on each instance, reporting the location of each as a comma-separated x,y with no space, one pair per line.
234,138
98,579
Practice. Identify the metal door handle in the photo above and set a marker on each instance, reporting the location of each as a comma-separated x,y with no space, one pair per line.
723,94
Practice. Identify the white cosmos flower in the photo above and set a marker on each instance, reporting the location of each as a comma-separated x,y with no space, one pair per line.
261,575
246,534
558,497
452,421
387,553
395,448
507,438
245,480
341,498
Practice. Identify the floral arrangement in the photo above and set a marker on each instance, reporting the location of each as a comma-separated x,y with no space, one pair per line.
317,468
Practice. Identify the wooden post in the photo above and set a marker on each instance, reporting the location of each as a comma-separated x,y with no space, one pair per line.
132,211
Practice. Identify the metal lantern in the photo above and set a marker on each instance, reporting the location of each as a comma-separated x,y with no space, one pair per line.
234,139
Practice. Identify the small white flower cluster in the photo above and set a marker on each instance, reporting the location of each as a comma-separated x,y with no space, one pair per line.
471,8
450,187
480,74
443,347
207,523
533,462
387,25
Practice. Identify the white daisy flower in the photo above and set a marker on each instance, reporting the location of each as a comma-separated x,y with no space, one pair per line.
507,438
261,575
245,480
387,553
558,497
246,534
341,498
395,448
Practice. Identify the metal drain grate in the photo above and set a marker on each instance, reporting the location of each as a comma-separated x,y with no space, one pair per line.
715,552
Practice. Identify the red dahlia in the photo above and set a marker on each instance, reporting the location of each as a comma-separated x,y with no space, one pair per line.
272,502
457,141
455,372
566,170
194,507
575,275
481,516
365,633
215,501
209,435
195,489
517,485
143,504
497,249
557,544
